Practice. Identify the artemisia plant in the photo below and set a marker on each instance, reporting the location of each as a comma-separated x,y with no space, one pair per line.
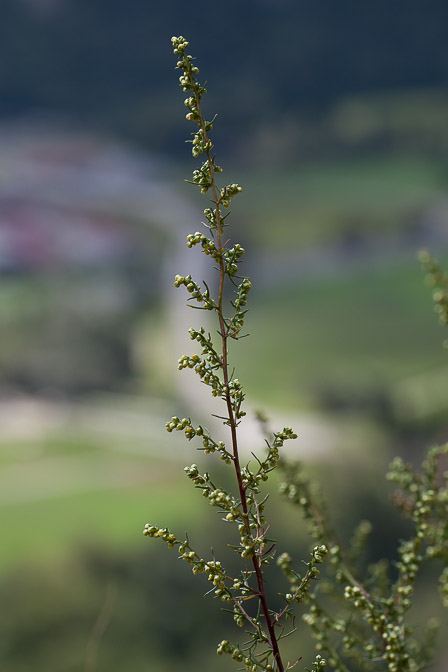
245,508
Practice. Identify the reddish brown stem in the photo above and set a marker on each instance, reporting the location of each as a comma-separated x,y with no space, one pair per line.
231,415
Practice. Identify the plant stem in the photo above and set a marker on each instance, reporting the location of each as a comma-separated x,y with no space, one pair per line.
224,333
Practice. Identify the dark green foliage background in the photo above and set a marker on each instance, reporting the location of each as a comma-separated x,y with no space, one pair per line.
105,62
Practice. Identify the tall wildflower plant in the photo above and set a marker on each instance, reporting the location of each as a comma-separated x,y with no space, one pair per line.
245,509
358,615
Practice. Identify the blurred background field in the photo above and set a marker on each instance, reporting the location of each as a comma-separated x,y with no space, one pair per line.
334,122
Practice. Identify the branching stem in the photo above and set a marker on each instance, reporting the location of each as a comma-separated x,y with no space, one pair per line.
232,421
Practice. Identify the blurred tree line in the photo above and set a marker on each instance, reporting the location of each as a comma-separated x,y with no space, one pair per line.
106,63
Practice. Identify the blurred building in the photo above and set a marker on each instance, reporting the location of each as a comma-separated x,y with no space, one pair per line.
84,228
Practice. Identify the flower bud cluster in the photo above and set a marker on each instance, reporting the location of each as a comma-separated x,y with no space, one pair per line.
360,599
205,371
425,500
252,538
440,298
386,619
207,346
216,496
199,336
285,435
211,214
231,258
193,288
201,143
251,480
218,577
431,464
214,568
208,443
162,533
403,475
241,297
247,547
437,279
184,425
236,323
179,45
226,647
237,397
242,588
187,80
199,565
238,616
202,176
208,245
395,654
273,456
319,554
249,662
319,663
408,565
301,585
193,473
228,192
443,586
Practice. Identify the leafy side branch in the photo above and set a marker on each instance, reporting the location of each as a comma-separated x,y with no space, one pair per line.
361,616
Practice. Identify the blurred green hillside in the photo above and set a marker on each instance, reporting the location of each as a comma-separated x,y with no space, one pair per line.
348,345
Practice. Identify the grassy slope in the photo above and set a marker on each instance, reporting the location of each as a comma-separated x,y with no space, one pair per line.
317,202
366,330
111,512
